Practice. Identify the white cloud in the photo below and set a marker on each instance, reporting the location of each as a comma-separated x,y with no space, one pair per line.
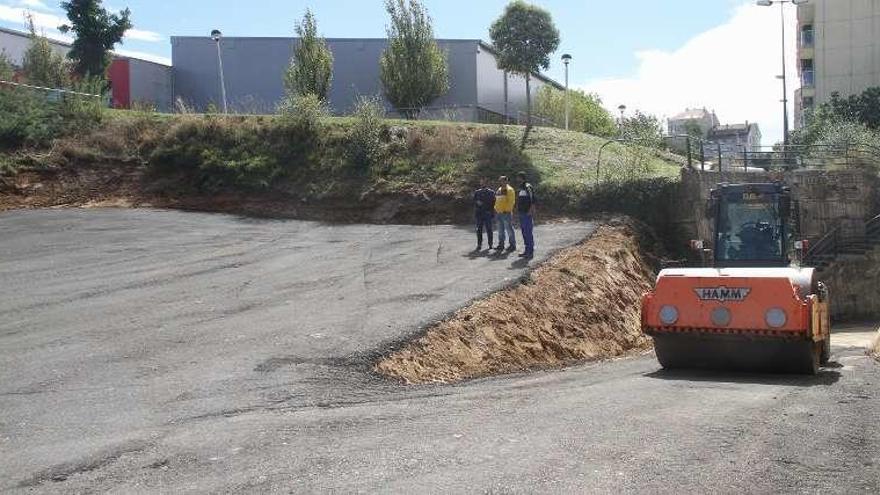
42,21
731,68
144,56
141,35
49,23
34,4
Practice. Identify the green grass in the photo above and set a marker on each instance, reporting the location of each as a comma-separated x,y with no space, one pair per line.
203,153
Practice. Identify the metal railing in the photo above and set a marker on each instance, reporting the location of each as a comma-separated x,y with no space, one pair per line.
823,250
812,156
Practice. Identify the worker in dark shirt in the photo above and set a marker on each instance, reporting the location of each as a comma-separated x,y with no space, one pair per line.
484,213
525,207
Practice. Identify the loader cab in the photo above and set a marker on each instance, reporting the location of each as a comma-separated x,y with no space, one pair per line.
753,225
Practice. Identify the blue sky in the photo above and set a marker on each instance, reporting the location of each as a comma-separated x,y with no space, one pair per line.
611,41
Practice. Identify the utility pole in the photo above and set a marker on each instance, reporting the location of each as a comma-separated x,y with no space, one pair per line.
216,35
770,3
566,59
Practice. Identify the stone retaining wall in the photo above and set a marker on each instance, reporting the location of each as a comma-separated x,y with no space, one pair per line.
828,199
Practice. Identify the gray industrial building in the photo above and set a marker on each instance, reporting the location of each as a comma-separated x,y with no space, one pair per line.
133,81
254,68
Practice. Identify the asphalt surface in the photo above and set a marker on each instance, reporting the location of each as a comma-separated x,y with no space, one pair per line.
153,351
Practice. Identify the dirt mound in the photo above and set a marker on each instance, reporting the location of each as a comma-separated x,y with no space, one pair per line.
582,305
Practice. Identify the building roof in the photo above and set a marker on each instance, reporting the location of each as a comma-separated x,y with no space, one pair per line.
25,34
692,114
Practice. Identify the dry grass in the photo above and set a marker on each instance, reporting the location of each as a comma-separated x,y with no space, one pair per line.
583,305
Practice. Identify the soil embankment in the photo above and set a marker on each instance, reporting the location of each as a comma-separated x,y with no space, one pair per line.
582,305
126,185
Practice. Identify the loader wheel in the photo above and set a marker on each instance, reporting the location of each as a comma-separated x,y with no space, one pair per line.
826,350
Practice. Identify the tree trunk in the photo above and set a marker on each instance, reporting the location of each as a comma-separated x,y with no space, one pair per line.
525,137
528,101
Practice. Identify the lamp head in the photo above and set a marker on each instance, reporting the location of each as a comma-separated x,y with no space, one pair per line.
216,35
566,59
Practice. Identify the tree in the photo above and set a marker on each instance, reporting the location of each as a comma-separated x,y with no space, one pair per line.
833,121
311,68
97,32
41,65
524,37
586,111
644,128
413,69
6,71
863,108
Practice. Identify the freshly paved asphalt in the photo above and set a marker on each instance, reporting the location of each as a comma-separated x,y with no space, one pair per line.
154,351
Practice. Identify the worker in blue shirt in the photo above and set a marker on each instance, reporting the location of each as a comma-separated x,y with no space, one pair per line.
484,213
525,207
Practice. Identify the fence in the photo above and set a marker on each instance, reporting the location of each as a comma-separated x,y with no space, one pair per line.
52,94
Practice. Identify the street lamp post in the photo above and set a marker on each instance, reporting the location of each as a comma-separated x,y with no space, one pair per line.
770,3
216,35
622,109
566,59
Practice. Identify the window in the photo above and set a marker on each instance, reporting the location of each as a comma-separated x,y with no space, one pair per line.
749,228
807,36
808,75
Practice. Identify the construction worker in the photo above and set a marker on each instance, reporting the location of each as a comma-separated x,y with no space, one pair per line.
505,200
484,213
525,206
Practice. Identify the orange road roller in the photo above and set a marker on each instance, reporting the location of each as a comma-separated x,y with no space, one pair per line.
752,308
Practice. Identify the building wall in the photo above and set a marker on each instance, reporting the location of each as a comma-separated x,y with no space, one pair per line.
254,68
16,43
846,48
500,92
706,122
150,83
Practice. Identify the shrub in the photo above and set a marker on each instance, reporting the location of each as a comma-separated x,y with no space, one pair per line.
6,71
27,118
365,135
34,118
499,155
214,152
305,111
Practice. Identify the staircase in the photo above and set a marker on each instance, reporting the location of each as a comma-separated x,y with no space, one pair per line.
835,245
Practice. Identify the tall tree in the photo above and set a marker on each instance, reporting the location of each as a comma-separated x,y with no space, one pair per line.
413,69
97,32
41,65
524,37
311,68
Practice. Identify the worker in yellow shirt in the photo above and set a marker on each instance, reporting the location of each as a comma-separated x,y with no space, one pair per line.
505,200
